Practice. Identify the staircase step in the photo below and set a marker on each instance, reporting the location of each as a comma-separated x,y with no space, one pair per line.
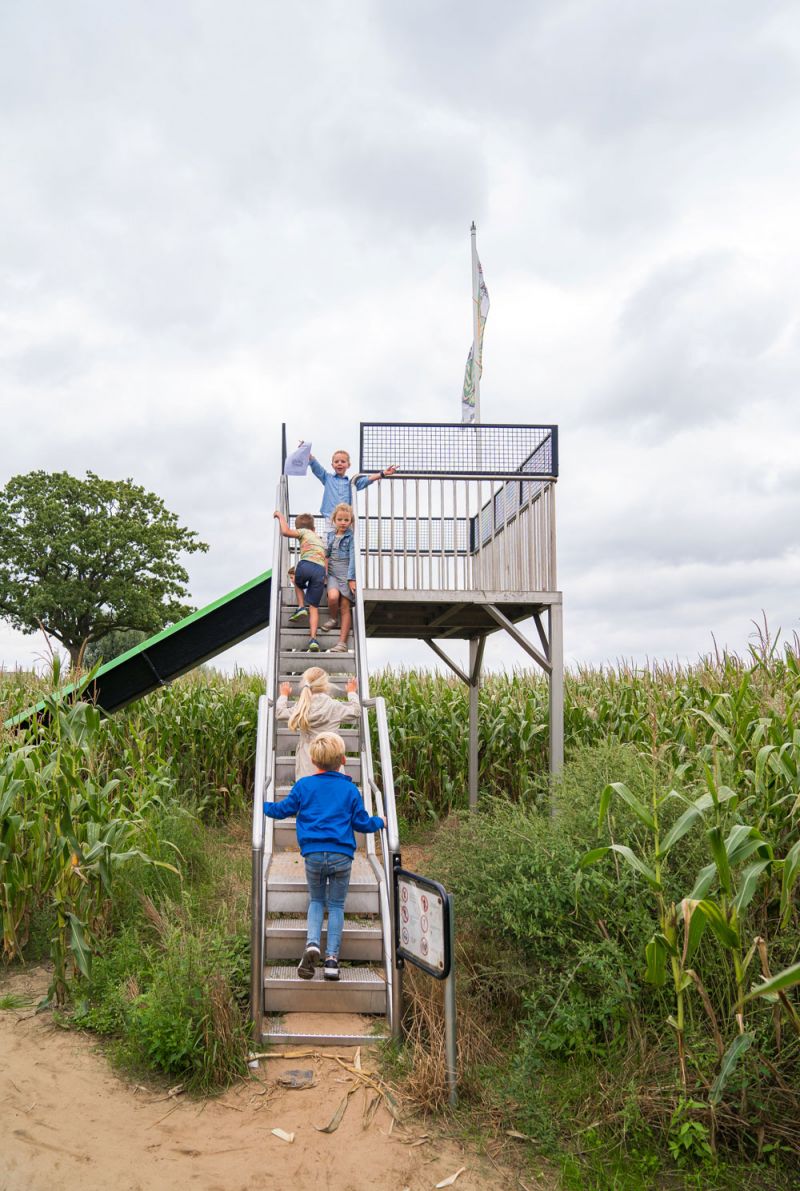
285,767
337,686
295,636
358,990
286,939
298,661
285,834
287,892
279,1031
287,739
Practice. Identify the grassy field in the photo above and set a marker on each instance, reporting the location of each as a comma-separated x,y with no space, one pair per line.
627,966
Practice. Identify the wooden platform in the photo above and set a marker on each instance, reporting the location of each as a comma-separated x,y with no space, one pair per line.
441,614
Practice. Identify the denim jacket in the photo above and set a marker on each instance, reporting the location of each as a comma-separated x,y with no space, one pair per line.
342,547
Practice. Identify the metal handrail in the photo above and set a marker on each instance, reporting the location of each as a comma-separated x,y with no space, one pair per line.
263,785
385,800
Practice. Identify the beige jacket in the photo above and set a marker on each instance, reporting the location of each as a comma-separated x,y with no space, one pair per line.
324,715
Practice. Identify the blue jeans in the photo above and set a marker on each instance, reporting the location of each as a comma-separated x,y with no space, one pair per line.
328,878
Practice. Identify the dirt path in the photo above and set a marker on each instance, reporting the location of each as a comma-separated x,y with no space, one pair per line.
66,1119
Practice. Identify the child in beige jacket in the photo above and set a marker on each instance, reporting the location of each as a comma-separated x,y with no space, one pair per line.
314,712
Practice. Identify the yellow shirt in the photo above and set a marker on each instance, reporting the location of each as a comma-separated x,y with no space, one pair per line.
311,547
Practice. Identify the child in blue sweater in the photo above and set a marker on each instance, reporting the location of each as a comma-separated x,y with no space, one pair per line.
329,809
337,485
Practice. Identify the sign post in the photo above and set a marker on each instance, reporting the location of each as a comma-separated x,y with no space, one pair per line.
425,937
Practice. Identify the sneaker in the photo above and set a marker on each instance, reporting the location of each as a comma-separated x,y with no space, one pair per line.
331,969
305,969
299,613
329,624
339,647
313,645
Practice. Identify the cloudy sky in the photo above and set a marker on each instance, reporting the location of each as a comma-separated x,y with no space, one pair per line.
218,217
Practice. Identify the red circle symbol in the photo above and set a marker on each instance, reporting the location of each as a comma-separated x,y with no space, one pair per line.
423,946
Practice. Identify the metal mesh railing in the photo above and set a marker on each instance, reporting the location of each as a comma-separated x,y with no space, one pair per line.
454,449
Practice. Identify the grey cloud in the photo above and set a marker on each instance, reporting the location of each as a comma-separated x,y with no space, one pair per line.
695,342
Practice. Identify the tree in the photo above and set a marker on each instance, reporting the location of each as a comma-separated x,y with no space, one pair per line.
80,558
111,646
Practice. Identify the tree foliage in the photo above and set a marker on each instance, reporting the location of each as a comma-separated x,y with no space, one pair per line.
81,558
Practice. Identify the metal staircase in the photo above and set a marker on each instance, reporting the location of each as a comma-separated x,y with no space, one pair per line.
459,543
369,982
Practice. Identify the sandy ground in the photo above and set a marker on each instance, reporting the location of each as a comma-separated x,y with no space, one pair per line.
67,1120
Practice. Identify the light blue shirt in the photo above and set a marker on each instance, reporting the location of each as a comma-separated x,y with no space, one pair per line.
337,488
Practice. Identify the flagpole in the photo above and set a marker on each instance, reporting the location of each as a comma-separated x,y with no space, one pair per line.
476,325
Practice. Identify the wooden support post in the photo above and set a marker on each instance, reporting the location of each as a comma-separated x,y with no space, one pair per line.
476,647
556,682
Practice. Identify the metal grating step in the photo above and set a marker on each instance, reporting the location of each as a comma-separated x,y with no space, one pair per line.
286,938
285,833
276,1032
358,990
299,660
285,769
287,892
338,682
287,739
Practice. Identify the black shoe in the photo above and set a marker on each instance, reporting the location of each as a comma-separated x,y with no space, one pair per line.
331,969
305,969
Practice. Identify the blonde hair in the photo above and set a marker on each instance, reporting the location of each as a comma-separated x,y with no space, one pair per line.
313,682
345,453
327,751
347,508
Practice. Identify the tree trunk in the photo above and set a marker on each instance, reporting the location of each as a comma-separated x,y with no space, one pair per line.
75,657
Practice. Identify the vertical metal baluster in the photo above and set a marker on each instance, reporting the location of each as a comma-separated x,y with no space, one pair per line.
494,538
392,541
443,568
417,560
531,544
430,536
553,563
381,577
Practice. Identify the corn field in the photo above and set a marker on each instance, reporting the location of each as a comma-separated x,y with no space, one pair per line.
81,800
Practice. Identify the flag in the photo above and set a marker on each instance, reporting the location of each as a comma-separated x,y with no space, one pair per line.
297,463
474,370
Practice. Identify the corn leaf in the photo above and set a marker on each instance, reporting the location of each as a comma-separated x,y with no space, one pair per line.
629,856
714,836
742,842
78,945
696,927
748,883
723,734
731,1057
656,958
785,979
628,797
791,870
687,820
725,932
705,879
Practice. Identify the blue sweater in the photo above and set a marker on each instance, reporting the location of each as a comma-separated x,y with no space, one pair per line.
329,809
337,488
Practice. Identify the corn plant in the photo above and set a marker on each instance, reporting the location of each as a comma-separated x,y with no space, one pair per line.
64,831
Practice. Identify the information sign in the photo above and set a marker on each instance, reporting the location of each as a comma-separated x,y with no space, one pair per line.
422,922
